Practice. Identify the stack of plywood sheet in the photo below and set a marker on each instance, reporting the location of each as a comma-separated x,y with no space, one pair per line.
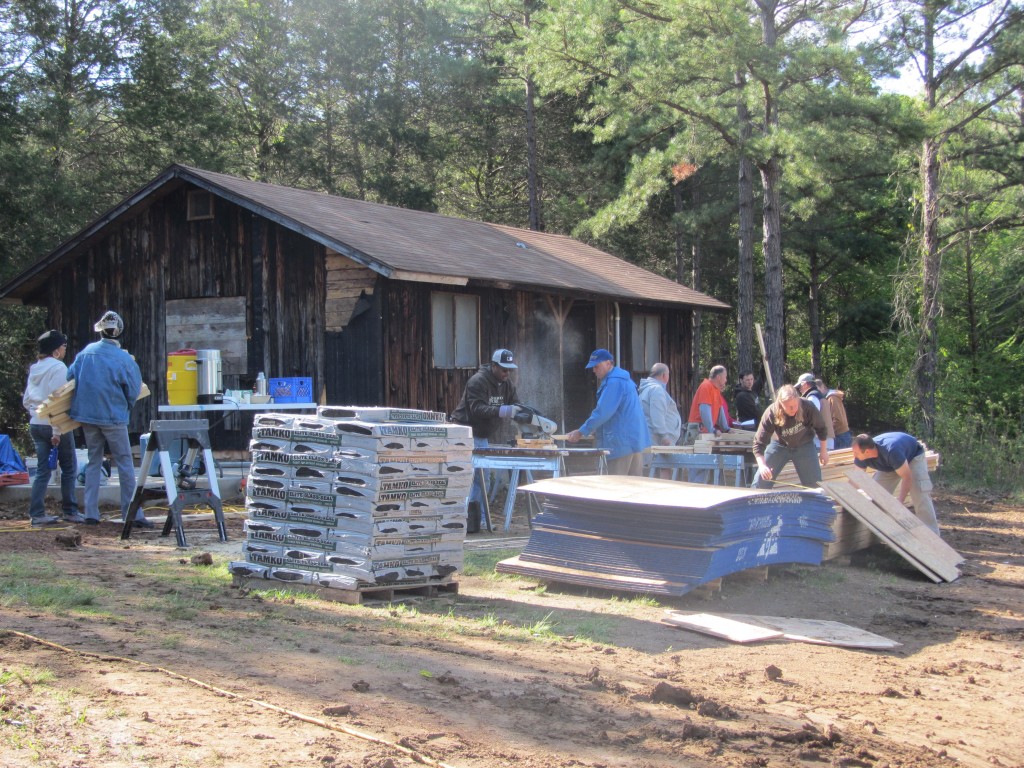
356,497
665,537
55,407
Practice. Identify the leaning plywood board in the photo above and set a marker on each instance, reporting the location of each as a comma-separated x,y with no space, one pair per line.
906,543
858,478
721,626
822,632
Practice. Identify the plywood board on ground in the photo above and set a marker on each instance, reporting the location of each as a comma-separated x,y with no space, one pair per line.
745,628
914,545
721,626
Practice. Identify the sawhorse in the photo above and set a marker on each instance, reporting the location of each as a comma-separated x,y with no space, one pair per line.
162,435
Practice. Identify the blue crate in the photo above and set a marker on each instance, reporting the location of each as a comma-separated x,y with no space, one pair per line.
291,389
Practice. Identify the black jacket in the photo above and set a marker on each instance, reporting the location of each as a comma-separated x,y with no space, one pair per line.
484,395
747,408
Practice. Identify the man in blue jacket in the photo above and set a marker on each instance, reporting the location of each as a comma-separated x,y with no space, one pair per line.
107,384
617,422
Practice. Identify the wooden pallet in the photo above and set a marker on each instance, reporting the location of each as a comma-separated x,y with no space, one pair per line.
372,593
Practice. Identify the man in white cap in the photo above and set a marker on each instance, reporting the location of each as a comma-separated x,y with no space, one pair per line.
107,384
489,397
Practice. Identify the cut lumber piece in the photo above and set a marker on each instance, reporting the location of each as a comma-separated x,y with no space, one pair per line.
821,632
858,478
55,407
734,630
914,544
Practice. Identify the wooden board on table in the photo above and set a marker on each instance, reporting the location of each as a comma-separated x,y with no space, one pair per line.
734,630
913,544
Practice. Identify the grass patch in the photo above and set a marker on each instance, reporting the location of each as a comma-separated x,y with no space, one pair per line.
36,582
27,676
481,563
824,579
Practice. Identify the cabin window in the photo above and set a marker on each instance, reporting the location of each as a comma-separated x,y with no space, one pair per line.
646,346
200,205
455,326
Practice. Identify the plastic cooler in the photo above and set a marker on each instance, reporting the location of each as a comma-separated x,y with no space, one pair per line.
182,377
294,389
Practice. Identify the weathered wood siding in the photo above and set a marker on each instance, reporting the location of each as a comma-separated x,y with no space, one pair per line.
157,255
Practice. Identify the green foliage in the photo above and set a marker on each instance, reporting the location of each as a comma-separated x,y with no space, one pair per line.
982,449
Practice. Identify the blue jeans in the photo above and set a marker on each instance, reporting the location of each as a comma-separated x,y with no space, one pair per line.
41,435
116,437
804,458
844,440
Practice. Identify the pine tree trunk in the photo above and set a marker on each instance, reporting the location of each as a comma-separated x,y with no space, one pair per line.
774,326
745,276
928,342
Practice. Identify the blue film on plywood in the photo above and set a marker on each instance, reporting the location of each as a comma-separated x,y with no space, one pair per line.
647,536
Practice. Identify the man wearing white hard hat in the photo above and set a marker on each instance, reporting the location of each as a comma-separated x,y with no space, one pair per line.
107,384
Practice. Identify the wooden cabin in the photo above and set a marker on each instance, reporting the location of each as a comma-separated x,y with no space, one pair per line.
379,305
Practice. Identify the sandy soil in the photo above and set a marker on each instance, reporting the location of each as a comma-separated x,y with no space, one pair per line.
171,666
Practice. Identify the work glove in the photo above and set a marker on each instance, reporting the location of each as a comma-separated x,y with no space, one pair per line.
508,411
523,417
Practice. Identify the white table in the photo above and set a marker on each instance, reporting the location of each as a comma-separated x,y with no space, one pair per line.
232,406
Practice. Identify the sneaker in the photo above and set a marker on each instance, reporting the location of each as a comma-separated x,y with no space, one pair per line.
91,521
74,517
143,523
38,522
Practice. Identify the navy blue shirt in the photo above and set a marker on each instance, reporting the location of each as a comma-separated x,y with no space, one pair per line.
894,450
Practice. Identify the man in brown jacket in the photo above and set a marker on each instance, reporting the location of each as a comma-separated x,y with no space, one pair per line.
840,424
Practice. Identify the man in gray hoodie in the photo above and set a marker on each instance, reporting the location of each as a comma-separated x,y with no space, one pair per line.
662,414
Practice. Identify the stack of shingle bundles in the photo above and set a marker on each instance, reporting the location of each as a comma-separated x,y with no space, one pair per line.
665,537
356,497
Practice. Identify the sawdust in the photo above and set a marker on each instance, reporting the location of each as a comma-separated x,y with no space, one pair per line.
169,672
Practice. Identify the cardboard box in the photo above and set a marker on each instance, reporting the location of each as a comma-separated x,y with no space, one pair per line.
271,420
378,414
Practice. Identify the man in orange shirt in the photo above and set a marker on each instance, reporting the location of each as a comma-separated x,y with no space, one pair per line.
707,413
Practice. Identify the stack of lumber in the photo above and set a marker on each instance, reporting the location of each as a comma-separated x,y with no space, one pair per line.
55,407
895,525
850,533
735,440
355,498
664,537
840,461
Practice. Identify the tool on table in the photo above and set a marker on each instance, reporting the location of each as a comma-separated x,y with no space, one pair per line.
534,428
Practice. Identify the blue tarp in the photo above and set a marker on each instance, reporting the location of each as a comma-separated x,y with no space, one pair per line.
10,461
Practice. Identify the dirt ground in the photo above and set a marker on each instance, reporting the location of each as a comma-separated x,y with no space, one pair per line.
169,665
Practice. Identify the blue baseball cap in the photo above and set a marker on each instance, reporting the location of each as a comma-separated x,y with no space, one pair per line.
599,356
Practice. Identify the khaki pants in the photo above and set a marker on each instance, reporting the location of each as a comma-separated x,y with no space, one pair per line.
920,490
630,464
